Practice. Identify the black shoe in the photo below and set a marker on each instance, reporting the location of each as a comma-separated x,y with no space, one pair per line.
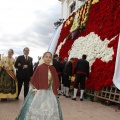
81,99
64,95
73,98
67,96
59,94
3,99
17,98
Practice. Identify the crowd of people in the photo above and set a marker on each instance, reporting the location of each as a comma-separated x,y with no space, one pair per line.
43,83
65,72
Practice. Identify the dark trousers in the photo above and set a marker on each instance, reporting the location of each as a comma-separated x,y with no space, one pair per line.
63,79
80,78
26,86
59,76
67,81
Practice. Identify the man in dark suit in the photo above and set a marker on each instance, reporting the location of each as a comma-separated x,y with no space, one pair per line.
67,76
24,68
63,80
81,71
57,66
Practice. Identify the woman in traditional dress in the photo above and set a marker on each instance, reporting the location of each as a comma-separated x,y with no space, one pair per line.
8,81
42,102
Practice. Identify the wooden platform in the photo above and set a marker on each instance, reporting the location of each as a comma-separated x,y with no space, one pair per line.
108,93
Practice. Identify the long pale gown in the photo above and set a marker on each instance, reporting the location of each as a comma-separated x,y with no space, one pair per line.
43,106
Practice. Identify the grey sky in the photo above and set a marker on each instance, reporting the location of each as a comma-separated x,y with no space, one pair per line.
27,23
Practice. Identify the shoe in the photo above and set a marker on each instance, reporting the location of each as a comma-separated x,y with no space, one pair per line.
59,94
73,98
64,95
81,99
17,98
67,96
3,99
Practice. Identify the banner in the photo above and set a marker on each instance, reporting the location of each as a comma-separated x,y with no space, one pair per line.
116,77
54,40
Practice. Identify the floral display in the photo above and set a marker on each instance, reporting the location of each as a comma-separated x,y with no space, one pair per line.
99,40
81,16
102,72
93,47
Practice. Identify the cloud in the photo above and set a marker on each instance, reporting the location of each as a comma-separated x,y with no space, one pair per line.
27,23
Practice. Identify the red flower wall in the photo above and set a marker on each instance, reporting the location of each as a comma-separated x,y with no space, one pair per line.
103,20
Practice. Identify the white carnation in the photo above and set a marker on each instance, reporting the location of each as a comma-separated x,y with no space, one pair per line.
93,47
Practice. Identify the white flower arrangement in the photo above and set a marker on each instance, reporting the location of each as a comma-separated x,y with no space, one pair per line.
93,47
60,46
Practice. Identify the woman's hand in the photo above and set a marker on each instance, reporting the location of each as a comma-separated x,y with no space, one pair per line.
19,64
34,90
